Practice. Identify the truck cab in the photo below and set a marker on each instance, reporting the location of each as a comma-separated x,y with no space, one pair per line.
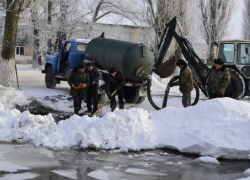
71,54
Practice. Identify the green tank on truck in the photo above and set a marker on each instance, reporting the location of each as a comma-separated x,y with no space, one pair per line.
135,60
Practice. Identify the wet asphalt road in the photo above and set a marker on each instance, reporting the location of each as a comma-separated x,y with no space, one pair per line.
107,165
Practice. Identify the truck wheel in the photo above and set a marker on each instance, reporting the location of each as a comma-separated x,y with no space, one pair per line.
131,94
236,88
141,99
50,81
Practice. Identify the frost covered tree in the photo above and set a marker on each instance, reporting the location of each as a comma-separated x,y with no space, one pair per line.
216,16
157,13
13,9
113,9
34,13
246,20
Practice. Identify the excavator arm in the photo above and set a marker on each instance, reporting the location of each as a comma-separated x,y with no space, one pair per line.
187,50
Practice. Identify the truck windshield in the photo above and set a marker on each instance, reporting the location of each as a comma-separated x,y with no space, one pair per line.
243,54
226,52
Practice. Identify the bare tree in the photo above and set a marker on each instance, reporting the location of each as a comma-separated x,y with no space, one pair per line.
216,16
246,20
122,9
159,12
34,11
13,9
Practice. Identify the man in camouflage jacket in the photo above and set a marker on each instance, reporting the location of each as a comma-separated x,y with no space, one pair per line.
218,80
185,82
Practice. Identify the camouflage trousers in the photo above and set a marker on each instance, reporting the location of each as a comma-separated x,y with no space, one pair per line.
186,100
215,95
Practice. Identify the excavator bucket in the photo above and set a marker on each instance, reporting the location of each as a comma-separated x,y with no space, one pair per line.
165,69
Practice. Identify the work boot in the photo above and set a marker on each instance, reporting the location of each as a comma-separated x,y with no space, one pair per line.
88,112
76,110
121,106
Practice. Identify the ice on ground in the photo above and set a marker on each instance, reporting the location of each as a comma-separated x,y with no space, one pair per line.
72,174
9,167
207,159
99,174
20,176
144,172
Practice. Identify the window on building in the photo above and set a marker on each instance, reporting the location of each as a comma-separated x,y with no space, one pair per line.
141,38
20,50
126,37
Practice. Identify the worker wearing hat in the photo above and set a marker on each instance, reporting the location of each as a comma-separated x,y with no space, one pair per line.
218,80
92,88
78,81
185,82
115,81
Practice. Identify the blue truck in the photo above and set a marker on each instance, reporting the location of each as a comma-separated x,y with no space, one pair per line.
69,56
135,60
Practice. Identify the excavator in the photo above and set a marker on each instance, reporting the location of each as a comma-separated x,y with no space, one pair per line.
234,53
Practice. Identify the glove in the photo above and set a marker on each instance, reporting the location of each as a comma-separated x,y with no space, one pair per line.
75,87
109,96
82,85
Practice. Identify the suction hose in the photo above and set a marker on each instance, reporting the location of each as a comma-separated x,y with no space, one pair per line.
164,104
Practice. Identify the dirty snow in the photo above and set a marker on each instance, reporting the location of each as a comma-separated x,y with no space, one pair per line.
215,128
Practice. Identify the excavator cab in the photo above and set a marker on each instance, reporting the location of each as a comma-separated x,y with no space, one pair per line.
236,56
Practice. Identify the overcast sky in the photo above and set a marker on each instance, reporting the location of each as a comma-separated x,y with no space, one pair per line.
236,24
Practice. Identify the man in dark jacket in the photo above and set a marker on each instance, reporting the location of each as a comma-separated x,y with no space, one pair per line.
78,81
218,80
92,88
185,82
113,81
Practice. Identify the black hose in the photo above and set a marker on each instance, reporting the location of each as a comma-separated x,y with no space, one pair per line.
164,104
149,94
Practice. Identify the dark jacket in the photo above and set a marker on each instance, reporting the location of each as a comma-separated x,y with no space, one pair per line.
76,78
94,75
218,80
185,80
113,82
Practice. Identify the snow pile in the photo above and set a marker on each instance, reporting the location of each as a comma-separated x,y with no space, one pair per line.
124,129
247,172
216,128
10,97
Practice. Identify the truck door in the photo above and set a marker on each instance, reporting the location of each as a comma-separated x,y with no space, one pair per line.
63,58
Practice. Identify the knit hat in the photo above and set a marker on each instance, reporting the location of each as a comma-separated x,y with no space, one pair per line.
219,61
89,64
180,62
112,70
81,66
